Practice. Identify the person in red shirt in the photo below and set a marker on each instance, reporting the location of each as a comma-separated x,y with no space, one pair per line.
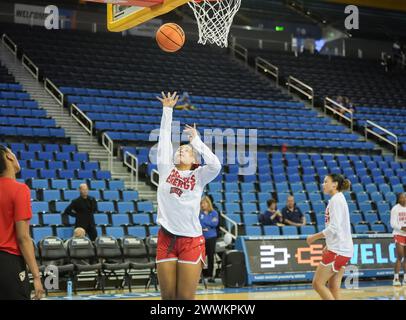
16,248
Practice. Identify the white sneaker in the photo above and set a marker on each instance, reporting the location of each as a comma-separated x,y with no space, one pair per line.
404,282
397,283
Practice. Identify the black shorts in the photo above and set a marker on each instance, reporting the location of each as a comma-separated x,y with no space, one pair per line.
14,282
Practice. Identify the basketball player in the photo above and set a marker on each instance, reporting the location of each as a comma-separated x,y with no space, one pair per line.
16,248
398,223
339,245
181,245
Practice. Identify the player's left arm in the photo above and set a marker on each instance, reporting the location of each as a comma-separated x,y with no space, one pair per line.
213,166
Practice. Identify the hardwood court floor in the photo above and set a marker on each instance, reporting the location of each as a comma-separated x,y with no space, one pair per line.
381,290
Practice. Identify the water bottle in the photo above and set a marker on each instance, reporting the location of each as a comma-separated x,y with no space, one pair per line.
69,288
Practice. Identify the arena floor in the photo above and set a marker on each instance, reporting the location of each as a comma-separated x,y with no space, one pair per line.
379,290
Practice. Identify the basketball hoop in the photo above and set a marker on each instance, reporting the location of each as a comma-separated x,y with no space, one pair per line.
214,19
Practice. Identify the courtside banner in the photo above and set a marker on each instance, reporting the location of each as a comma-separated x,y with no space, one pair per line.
35,15
290,258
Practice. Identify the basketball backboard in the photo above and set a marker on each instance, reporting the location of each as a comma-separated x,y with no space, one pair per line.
120,17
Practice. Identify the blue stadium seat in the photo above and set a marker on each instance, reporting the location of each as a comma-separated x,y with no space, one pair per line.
145,206
379,228
137,231
84,174
120,219
141,219
232,197
60,206
52,219
69,195
50,195
97,184
248,197
235,217
153,230
271,230
95,194
249,208
215,187
319,207
59,184
253,230
365,206
105,206
289,230
103,175
231,187
361,228
101,219
371,218
266,187
250,219
116,232
64,232
111,195
130,195
247,187
116,184
39,206
356,218
39,184
40,233
306,230
231,208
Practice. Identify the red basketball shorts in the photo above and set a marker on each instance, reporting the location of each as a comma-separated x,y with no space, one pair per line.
400,240
336,261
190,250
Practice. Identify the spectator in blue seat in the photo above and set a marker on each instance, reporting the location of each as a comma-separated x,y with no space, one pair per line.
83,209
271,216
209,219
77,233
292,215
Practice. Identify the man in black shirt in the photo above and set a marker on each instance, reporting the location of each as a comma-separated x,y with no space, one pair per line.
83,209
292,215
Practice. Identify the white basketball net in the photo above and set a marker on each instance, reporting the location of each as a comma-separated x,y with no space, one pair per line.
214,19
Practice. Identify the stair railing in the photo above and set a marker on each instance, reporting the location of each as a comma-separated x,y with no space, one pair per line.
131,161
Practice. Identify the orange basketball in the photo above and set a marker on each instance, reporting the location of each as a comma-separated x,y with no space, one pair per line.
170,37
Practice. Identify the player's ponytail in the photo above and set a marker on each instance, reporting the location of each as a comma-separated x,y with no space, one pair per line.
3,165
342,183
346,185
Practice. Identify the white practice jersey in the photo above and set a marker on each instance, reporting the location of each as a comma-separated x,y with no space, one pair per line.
338,226
180,192
398,220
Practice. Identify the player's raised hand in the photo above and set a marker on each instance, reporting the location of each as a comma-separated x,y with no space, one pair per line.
169,100
191,131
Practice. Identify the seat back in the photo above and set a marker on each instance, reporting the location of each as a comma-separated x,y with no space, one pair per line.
52,250
151,243
134,248
107,247
81,248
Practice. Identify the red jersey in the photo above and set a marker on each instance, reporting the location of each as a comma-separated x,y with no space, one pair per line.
15,205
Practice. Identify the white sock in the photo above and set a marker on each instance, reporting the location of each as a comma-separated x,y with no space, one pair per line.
396,277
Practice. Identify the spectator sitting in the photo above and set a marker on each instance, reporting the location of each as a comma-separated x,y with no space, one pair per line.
292,215
272,216
77,233
184,102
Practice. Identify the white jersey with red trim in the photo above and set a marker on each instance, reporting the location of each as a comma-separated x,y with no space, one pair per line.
398,220
180,192
338,226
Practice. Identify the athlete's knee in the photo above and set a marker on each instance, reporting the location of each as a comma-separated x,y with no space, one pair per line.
316,284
